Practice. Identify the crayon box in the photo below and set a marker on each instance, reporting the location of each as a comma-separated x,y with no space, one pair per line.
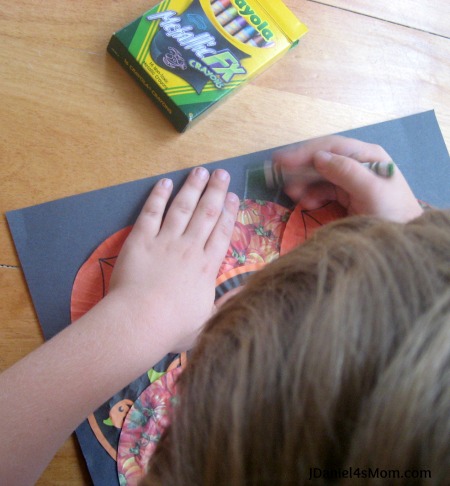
188,55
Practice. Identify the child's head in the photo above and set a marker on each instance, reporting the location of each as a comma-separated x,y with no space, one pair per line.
334,356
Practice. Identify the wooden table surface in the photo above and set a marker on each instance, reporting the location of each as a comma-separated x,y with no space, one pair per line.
72,120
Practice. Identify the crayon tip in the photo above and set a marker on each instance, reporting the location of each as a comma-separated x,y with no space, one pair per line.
390,169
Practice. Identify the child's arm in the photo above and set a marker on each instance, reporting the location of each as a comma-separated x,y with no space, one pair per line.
161,293
359,190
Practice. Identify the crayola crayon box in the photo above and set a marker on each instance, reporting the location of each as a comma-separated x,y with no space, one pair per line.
188,55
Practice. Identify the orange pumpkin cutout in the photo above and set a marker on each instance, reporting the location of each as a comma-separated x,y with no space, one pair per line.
303,223
92,281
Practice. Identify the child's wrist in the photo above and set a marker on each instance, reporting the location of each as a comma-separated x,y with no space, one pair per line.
139,324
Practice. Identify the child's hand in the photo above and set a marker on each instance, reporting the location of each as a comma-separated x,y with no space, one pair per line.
167,268
161,292
355,187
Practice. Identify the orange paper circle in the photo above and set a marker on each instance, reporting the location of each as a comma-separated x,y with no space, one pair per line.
92,281
303,222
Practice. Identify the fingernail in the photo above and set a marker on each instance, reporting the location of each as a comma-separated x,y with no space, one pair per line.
222,174
201,173
232,198
167,183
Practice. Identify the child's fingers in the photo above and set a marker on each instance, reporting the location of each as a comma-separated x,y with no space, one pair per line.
183,206
368,152
219,239
346,173
209,207
150,218
317,195
303,153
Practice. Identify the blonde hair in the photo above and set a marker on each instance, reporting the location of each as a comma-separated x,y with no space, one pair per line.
334,356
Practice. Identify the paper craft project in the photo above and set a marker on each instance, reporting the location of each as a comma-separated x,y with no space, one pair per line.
138,415
53,247
256,240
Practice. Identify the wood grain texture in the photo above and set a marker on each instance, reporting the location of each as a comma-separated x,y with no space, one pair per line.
72,120
432,16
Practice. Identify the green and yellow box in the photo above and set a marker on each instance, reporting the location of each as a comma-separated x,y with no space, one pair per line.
189,54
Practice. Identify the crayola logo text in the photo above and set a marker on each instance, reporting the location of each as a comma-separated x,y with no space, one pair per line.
262,26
